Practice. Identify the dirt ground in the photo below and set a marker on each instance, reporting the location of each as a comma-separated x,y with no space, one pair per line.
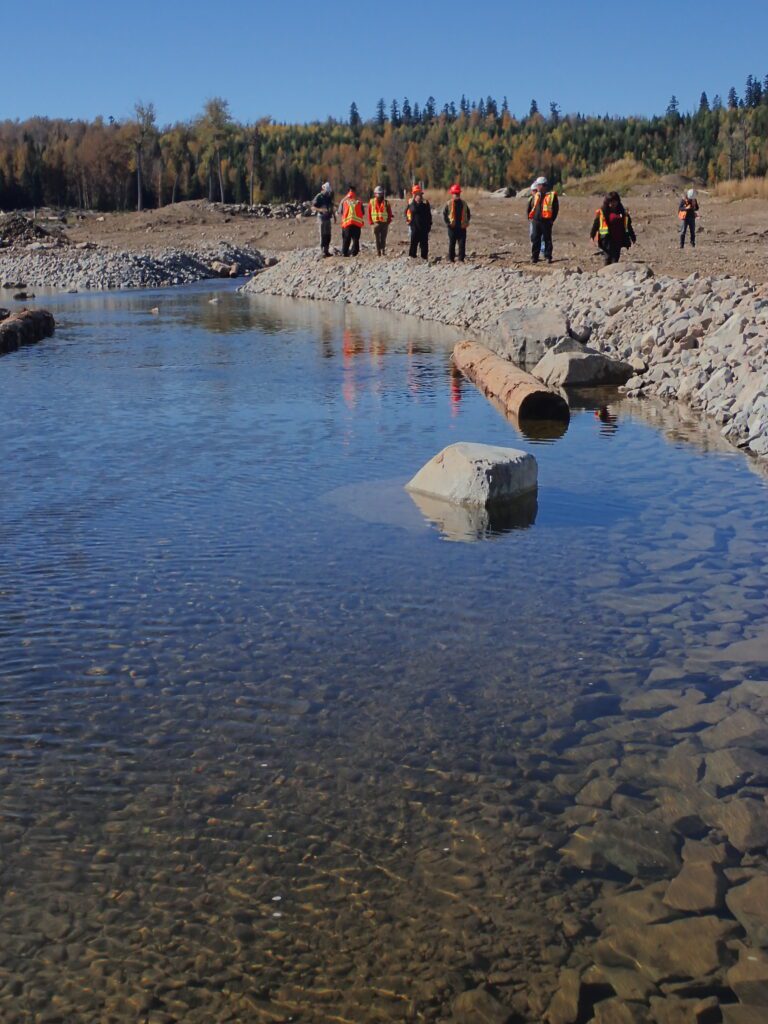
732,235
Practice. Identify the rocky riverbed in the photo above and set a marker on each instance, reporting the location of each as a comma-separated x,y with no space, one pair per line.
44,264
702,340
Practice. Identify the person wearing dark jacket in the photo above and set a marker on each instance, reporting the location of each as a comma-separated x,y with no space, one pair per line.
418,213
543,208
687,213
612,228
456,216
323,205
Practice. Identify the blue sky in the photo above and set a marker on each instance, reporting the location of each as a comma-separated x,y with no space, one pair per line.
304,61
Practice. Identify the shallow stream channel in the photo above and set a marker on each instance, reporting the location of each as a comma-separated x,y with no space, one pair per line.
277,744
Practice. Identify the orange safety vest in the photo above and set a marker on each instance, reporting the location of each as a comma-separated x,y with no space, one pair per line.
352,213
603,225
463,220
682,214
546,209
379,211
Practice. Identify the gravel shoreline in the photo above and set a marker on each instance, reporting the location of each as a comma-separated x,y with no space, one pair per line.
701,340
75,268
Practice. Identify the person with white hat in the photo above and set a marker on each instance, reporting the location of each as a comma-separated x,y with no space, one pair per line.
543,208
380,216
687,213
324,207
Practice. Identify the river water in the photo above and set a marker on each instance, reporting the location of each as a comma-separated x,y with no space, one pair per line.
278,744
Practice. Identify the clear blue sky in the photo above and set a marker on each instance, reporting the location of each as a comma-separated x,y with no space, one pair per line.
303,61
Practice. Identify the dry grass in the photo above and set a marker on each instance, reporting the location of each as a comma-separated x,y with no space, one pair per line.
441,195
746,188
620,176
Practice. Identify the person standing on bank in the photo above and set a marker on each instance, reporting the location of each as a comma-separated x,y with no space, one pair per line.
323,204
543,208
456,216
380,216
418,213
687,213
352,220
612,228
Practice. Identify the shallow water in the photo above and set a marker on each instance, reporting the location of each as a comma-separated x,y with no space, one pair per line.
273,745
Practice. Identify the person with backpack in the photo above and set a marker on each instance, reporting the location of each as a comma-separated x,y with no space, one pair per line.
612,228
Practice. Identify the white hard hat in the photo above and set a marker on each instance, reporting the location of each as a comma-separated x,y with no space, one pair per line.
379,190
540,181
326,186
691,193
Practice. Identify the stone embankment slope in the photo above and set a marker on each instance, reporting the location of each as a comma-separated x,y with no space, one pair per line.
703,340
76,268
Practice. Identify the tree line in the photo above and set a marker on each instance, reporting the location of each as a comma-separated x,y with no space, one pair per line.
135,163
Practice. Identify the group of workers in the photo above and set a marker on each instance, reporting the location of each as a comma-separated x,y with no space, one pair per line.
611,230
418,214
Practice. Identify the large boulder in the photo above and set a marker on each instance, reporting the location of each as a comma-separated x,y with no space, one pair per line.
476,474
524,334
572,365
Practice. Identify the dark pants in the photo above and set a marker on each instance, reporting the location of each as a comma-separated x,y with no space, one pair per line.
691,225
420,241
380,232
325,235
457,235
541,229
350,241
611,251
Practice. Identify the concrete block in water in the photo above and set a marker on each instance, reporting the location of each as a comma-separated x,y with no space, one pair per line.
476,474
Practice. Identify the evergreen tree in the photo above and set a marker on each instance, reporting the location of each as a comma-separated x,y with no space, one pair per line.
733,99
463,105
717,103
430,109
534,108
491,109
354,116
453,111
703,103
394,114
554,113
416,114
504,106
407,113
381,113
481,107
673,108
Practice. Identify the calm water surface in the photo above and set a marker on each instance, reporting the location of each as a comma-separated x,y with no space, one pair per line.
273,745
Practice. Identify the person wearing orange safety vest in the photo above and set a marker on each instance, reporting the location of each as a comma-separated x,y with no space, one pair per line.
380,216
543,208
612,228
418,213
352,220
456,215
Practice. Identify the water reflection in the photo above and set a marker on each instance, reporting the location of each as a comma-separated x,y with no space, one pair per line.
464,523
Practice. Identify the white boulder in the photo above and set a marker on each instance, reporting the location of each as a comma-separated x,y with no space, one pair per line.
476,474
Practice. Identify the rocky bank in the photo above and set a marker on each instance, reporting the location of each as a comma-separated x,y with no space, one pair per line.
702,340
46,264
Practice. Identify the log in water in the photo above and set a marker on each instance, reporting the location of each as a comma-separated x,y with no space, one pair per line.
25,328
520,393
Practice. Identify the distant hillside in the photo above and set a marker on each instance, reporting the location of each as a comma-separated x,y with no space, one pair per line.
119,165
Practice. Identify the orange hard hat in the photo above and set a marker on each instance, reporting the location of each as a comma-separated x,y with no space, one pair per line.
455,190
416,189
